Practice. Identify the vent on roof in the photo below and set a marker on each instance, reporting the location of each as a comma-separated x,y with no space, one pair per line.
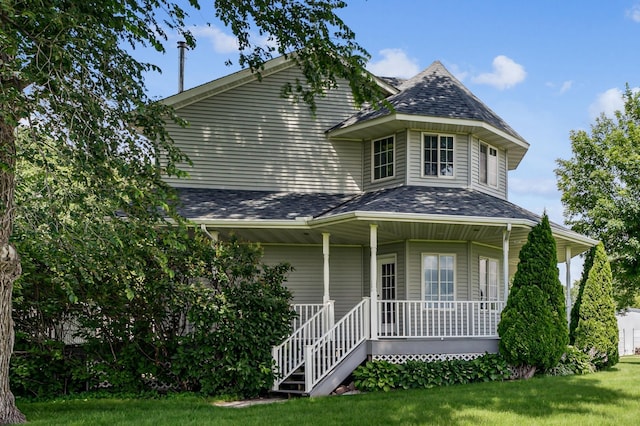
182,46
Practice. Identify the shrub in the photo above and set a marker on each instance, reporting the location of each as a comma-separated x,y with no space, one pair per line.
533,327
573,361
382,375
597,329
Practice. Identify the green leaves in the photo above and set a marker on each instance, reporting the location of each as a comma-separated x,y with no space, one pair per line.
601,191
382,375
533,326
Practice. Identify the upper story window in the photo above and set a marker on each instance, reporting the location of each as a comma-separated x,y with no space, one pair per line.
488,165
383,158
437,155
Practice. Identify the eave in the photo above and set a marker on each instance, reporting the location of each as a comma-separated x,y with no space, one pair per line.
392,123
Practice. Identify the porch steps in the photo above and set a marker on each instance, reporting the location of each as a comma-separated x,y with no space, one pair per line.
294,385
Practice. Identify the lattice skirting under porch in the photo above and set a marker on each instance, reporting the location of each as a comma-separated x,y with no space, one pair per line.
400,359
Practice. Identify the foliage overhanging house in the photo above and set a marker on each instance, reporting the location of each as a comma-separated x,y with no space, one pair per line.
397,223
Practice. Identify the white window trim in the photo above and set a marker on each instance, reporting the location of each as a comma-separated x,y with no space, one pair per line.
497,166
373,141
486,300
425,303
439,176
380,259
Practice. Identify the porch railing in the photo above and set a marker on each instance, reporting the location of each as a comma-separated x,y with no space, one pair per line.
416,319
305,311
326,353
289,355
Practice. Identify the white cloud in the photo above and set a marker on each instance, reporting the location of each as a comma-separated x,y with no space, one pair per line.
394,63
506,73
221,41
634,13
566,86
607,103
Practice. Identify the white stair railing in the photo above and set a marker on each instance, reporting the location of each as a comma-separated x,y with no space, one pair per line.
289,355
304,312
327,352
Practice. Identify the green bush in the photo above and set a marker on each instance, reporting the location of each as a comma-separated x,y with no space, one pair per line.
573,361
382,375
533,326
596,333
202,318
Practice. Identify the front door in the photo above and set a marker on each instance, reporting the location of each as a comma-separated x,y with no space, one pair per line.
387,294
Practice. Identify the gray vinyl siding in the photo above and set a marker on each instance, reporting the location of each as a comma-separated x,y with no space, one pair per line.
501,190
249,137
478,251
461,162
400,164
306,281
414,276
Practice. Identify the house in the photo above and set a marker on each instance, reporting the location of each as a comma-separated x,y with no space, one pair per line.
397,222
629,331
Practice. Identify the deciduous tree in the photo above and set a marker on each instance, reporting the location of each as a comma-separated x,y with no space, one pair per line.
601,191
68,75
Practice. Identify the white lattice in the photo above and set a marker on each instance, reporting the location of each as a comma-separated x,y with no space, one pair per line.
402,358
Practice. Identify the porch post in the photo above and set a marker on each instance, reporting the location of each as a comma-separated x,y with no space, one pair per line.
505,259
567,262
373,237
325,254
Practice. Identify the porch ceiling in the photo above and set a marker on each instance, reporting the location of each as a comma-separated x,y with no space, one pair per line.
356,232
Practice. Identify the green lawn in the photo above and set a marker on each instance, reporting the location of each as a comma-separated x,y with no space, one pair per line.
609,397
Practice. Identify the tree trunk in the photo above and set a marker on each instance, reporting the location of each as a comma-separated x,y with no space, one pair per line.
9,270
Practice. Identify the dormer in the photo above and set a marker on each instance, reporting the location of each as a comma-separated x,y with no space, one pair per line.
438,134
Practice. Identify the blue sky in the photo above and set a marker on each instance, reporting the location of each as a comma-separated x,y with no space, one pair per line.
546,67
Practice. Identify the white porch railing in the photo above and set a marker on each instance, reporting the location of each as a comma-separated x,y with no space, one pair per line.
416,319
289,355
325,354
305,311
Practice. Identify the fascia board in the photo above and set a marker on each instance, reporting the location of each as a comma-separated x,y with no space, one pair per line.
428,119
223,84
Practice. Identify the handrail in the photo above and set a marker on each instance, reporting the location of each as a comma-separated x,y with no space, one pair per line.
336,344
304,312
289,355
417,319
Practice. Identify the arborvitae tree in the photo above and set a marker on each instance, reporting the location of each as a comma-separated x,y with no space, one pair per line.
533,328
586,267
597,329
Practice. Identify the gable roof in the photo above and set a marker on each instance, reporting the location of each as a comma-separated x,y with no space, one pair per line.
439,101
228,82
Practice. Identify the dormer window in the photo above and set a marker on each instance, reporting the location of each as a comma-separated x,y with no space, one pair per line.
488,165
383,158
438,155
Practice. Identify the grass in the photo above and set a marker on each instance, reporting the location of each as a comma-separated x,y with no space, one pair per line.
609,397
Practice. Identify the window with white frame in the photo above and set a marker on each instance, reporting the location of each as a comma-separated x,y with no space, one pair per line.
488,165
488,279
383,158
437,155
438,274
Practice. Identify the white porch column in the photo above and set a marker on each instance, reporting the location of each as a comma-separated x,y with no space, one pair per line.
567,262
325,254
373,237
505,260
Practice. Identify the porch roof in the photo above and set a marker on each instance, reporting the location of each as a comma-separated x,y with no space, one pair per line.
201,204
402,213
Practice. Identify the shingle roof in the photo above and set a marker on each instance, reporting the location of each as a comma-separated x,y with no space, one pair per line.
252,205
249,205
434,201
435,92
